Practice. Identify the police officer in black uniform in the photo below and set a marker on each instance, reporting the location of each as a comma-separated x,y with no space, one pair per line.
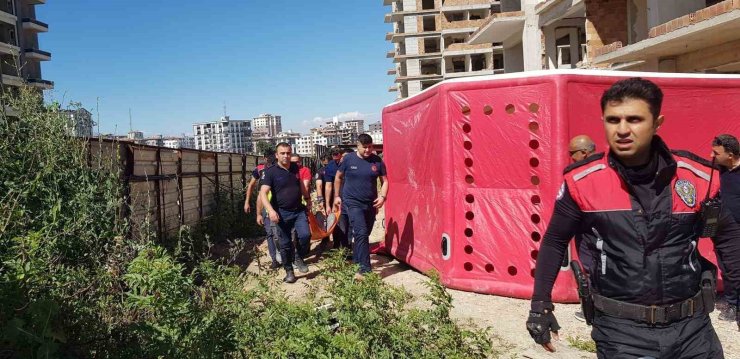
285,208
639,207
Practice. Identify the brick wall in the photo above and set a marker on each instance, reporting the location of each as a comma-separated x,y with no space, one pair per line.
606,23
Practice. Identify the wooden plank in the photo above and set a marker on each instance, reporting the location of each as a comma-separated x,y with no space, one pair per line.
157,185
145,168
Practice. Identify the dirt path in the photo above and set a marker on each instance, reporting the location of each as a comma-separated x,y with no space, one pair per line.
505,316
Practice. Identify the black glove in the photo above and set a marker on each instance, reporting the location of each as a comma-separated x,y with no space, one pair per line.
541,322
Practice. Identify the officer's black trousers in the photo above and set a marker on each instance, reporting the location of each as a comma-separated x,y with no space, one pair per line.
693,337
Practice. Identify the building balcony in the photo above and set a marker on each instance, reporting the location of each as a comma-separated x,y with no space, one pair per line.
431,55
12,80
399,37
8,18
8,49
398,16
551,11
499,28
392,72
42,84
36,54
419,77
390,54
34,25
686,38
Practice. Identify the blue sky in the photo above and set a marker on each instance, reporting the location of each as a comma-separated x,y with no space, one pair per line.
175,62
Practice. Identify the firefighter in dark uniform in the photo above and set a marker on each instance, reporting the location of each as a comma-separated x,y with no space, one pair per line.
639,207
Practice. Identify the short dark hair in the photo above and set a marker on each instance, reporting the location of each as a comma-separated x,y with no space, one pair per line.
295,155
728,142
326,157
269,153
635,88
335,151
283,144
365,139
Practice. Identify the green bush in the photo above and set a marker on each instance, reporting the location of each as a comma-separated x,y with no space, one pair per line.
72,285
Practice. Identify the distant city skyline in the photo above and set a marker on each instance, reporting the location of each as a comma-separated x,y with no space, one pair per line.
323,60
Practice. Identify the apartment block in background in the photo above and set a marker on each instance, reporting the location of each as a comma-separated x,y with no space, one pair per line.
430,42
306,145
79,122
224,135
20,52
267,124
178,142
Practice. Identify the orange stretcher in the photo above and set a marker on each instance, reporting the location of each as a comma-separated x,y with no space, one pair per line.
318,226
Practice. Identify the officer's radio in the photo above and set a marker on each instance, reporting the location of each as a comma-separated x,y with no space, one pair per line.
710,209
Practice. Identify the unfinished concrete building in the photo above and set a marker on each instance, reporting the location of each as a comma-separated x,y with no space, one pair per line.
430,42
639,35
20,52
439,39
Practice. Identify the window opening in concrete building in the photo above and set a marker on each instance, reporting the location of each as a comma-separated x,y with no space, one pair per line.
456,64
430,23
427,4
563,54
431,45
455,16
7,6
9,65
478,62
427,84
637,21
451,40
498,62
430,67
479,14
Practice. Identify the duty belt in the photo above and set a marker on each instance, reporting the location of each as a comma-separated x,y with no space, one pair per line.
651,314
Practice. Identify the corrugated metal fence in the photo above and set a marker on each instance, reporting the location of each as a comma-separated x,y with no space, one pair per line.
166,188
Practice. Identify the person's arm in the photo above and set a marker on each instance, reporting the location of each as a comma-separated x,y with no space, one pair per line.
328,189
305,185
320,193
337,189
260,219
274,218
563,225
248,200
382,194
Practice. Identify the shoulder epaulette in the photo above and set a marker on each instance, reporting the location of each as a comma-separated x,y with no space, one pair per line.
694,157
589,159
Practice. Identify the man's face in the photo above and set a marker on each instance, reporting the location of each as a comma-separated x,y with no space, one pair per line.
283,155
721,157
630,128
578,154
364,150
336,157
296,160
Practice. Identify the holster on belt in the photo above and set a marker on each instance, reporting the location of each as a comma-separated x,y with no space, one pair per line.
708,284
584,292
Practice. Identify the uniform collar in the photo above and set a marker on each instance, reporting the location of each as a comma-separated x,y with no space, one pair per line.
665,168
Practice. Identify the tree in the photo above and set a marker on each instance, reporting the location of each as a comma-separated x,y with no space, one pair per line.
262,146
